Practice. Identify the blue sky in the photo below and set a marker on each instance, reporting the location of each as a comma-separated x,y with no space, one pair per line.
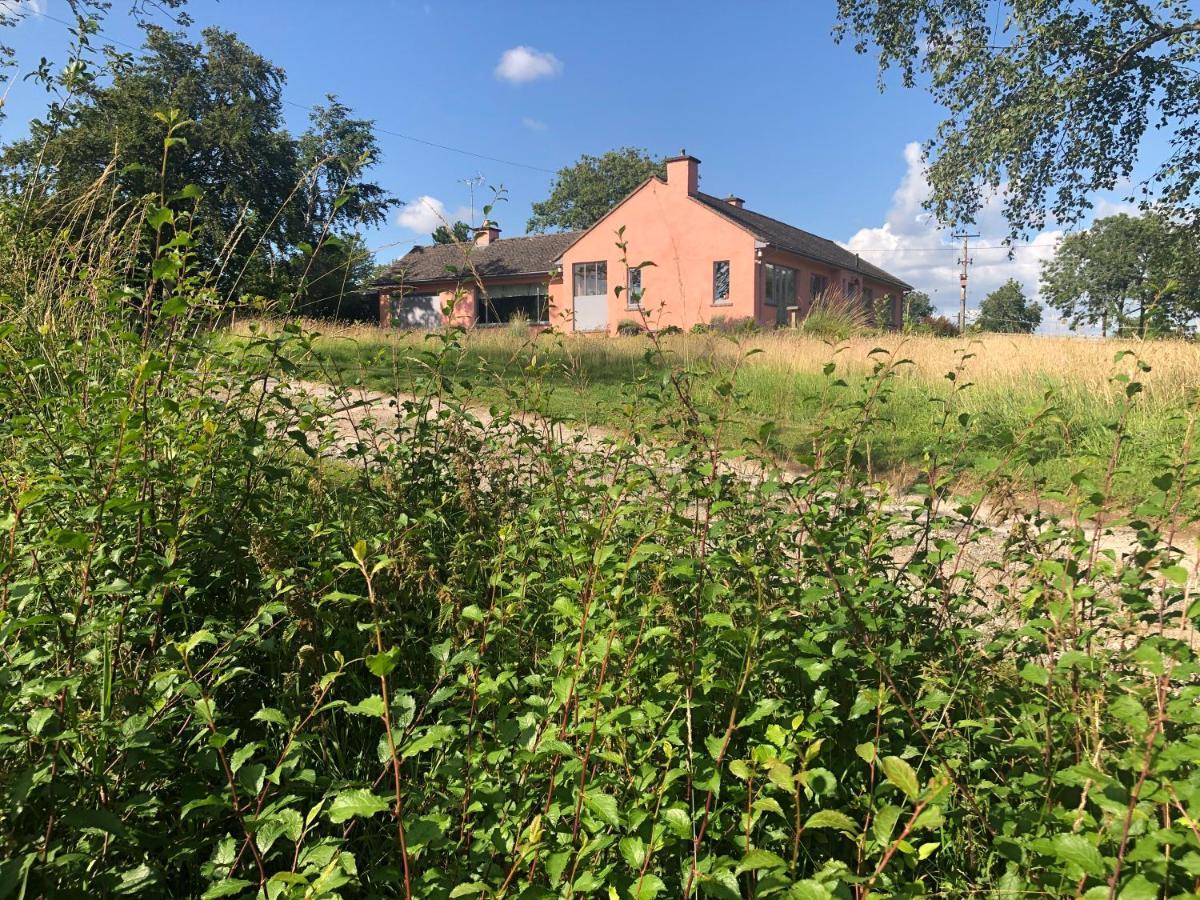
778,113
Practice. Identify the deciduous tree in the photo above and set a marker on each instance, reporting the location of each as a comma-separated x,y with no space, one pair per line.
460,233
266,201
586,190
1127,274
1008,311
917,307
1047,99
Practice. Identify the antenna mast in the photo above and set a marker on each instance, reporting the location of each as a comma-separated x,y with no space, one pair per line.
472,182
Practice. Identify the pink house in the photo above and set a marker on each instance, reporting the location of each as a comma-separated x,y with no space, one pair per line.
711,258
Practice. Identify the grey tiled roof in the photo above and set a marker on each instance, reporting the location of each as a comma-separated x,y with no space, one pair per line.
532,255
786,237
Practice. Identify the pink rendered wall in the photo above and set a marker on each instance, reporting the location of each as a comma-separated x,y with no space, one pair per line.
664,225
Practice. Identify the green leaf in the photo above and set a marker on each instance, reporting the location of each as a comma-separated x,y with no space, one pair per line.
650,888
1035,674
433,736
866,752
1139,887
760,859
902,775
357,802
831,818
227,888
38,719
1177,574
808,890
1078,851
603,806
718,620
739,769
173,306
679,822
633,851
382,664
369,706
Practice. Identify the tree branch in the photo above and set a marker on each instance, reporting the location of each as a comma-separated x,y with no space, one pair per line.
1160,34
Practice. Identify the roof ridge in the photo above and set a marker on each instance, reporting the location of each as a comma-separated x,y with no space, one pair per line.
831,249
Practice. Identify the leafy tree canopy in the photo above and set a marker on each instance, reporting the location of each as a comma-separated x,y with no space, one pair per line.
1007,310
207,115
460,233
586,190
1047,100
1126,273
917,307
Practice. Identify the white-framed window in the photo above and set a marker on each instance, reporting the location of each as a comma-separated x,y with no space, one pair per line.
781,286
591,279
633,289
721,282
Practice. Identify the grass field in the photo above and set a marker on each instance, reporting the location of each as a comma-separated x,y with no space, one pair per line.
1073,387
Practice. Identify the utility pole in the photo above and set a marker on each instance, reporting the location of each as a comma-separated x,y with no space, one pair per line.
471,182
965,260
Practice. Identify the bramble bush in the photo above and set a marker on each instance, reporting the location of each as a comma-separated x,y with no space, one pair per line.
256,645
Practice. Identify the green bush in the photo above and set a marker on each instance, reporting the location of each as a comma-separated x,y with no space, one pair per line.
252,648
629,328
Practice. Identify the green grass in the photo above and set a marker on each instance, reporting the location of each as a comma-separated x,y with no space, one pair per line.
1049,427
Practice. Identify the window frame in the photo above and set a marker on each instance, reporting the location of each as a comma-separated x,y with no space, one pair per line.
633,295
769,269
727,300
813,291
590,269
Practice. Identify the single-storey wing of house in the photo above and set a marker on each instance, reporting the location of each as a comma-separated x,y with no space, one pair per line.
711,258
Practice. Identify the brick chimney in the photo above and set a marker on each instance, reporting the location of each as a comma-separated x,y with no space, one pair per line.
683,172
735,201
487,234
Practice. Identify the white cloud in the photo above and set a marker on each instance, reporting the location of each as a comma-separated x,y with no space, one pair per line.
25,7
424,214
533,124
1107,207
911,245
521,64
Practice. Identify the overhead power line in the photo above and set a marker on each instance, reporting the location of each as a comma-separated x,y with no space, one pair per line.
449,148
309,108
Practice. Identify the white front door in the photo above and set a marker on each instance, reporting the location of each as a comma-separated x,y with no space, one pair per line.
591,296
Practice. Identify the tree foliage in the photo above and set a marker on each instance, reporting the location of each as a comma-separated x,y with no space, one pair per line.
1048,100
1008,311
1128,274
459,232
589,188
917,307
215,108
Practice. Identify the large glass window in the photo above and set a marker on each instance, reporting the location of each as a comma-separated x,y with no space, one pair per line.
591,279
817,285
781,286
508,302
721,281
414,311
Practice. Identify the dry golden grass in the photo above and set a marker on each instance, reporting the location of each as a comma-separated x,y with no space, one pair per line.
994,361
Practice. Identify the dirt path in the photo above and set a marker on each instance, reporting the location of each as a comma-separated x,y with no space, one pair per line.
353,406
